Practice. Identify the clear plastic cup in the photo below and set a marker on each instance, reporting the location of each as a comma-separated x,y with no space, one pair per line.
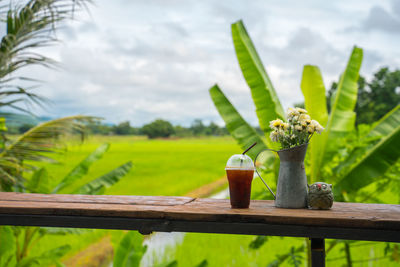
240,171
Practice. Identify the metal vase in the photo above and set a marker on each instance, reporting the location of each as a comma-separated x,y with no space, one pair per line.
291,191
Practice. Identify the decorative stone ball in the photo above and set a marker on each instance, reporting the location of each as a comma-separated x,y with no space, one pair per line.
320,196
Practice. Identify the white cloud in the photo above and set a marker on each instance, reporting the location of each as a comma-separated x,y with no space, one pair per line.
379,19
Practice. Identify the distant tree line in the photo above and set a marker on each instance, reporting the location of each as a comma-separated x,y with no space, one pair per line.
159,128
155,129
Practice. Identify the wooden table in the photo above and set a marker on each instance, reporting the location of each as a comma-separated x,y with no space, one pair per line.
352,221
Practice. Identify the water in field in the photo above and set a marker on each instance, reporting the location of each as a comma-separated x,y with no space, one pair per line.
160,244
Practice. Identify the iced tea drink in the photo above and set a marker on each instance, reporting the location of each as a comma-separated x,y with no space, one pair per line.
240,171
240,186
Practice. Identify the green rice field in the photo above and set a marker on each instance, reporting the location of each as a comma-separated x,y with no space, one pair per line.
160,167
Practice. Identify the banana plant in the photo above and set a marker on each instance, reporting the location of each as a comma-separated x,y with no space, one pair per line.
361,167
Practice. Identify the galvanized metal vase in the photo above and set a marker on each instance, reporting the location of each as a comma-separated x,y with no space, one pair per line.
291,191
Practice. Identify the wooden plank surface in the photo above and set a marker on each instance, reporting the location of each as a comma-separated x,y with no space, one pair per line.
100,199
184,209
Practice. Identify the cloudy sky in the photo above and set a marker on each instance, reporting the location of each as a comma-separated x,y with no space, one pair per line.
142,60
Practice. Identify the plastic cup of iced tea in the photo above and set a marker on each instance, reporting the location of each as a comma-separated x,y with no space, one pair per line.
240,171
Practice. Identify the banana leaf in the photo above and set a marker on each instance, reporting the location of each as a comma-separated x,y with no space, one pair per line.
98,185
268,106
244,134
383,128
82,168
376,159
48,257
8,247
129,251
342,117
389,123
313,90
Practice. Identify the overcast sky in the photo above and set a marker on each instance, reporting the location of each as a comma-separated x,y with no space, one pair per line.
142,60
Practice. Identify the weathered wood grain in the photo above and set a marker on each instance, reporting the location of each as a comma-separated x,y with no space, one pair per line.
101,199
353,221
349,215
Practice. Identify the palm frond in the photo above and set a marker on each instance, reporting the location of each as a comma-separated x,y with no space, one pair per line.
10,173
37,143
29,26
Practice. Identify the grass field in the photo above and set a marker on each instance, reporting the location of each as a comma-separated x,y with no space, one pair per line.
176,167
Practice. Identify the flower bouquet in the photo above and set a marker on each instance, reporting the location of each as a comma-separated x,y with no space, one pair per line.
298,129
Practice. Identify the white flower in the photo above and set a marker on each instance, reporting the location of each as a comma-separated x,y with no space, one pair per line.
274,135
275,123
285,126
310,129
301,110
291,113
281,131
304,118
318,128
298,128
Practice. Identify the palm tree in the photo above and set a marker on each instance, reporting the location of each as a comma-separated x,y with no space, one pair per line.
30,25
